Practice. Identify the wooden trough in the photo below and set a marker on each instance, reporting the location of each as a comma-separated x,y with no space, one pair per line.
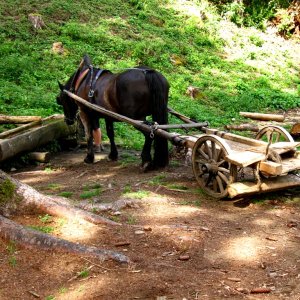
226,164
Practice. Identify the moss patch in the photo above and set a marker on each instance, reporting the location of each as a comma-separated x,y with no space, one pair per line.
7,189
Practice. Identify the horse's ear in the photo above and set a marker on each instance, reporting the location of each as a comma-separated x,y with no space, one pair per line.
87,59
61,86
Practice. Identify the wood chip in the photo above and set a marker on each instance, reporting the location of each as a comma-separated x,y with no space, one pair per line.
262,290
123,243
234,279
34,294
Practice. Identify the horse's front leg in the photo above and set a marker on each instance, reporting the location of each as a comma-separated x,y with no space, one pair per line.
89,138
113,155
147,163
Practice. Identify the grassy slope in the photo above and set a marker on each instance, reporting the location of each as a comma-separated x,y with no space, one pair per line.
235,69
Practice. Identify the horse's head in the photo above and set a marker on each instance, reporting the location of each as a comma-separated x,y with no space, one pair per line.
69,105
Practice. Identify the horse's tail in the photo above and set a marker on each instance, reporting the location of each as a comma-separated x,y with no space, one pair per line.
159,92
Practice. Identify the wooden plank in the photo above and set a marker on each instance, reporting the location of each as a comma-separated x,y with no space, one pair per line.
271,168
244,159
263,117
267,185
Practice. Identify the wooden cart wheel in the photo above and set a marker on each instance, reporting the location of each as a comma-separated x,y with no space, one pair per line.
212,172
274,134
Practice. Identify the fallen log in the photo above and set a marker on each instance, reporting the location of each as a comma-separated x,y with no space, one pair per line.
263,117
51,129
243,127
29,238
18,119
13,191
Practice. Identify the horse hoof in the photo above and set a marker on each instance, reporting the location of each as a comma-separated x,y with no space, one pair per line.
147,166
89,160
112,158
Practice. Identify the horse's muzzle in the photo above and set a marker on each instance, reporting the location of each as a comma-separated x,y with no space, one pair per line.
69,121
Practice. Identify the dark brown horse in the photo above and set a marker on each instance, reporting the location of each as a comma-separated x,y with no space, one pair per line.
135,93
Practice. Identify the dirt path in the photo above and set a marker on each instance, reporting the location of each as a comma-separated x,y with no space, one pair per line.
183,244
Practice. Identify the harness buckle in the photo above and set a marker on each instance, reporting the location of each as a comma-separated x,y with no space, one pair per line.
91,93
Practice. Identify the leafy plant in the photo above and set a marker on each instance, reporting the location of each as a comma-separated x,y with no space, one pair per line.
45,218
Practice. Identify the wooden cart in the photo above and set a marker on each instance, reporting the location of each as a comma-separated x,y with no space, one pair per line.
226,164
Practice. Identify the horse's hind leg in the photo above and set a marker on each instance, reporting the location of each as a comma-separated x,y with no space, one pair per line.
147,164
113,155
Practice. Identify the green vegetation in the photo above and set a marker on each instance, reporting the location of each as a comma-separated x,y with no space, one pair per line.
44,229
46,218
91,190
137,195
192,44
11,249
66,194
7,189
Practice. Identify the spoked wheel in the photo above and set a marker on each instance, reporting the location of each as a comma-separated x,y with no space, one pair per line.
212,172
274,134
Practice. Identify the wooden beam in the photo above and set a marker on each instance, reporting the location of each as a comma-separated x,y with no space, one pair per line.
245,158
270,168
263,117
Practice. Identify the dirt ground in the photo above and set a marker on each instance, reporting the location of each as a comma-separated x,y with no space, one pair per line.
182,243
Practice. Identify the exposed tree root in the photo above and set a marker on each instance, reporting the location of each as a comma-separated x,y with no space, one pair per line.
28,197
29,238
114,206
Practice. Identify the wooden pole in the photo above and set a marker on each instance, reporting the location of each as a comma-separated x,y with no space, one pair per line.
173,137
263,117
18,119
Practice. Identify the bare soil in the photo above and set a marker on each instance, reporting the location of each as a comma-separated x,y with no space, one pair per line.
182,243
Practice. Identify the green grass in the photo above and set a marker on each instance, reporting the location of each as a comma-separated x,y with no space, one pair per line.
165,35
90,194
66,194
44,229
137,195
